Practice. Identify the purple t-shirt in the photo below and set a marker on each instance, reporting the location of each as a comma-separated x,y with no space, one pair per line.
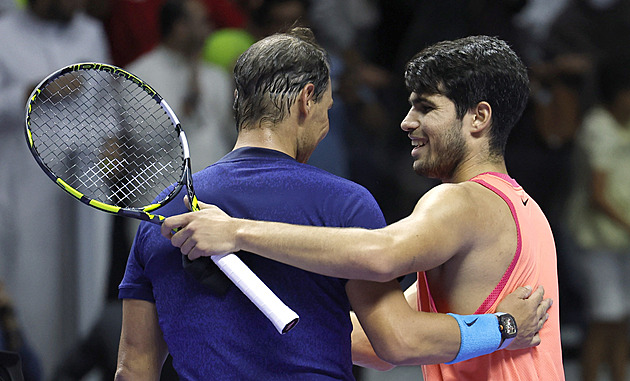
225,337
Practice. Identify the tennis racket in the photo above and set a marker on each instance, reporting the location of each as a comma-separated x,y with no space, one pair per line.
112,142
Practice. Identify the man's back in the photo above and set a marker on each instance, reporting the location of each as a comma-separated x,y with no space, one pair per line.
533,261
226,334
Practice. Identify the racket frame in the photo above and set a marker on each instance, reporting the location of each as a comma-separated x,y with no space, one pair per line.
142,213
280,315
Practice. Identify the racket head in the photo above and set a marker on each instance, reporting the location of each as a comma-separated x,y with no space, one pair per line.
108,139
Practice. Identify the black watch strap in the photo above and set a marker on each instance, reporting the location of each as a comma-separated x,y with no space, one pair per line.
507,327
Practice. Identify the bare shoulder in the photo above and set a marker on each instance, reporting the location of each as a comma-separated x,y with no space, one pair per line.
460,198
462,205
438,228
482,225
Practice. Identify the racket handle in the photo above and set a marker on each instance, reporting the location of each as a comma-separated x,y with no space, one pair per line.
281,316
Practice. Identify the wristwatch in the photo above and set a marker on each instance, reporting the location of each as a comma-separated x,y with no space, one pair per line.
507,327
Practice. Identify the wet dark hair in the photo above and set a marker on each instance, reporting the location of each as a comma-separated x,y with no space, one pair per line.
471,70
270,74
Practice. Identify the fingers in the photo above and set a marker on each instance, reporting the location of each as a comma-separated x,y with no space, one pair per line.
523,292
202,205
542,322
193,254
178,240
186,244
188,248
545,305
172,224
531,313
538,294
535,340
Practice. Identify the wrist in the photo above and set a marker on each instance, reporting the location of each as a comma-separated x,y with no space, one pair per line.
483,334
240,230
248,234
507,327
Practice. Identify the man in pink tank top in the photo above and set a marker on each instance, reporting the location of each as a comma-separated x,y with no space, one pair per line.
472,240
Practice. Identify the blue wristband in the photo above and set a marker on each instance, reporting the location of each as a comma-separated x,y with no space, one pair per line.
479,334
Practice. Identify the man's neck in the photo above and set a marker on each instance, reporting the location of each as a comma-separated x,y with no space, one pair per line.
468,170
267,138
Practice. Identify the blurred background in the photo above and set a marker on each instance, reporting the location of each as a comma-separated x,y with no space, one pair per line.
60,264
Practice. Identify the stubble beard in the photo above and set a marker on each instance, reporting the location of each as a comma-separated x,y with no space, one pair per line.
450,153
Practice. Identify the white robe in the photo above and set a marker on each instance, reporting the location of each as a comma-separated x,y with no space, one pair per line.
53,251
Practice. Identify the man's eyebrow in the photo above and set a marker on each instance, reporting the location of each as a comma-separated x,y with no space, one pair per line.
415,99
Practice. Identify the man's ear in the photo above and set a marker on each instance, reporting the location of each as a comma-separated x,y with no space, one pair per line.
305,99
482,117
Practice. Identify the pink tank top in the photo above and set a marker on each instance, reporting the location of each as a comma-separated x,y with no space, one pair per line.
534,264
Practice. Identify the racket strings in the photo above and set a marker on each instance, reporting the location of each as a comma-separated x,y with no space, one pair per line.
106,137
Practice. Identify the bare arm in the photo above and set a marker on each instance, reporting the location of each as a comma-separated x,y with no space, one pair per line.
401,335
432,234
362,352
142,350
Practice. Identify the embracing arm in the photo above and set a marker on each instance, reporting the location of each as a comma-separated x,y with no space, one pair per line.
142,350
432,234
399,334
363,353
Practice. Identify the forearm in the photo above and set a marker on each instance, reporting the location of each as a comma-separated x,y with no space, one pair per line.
349,253
136,366
124,373
362,352
429,339
399,334
142,349
416,243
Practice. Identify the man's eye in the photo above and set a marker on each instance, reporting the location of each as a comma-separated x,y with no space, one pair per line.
425,108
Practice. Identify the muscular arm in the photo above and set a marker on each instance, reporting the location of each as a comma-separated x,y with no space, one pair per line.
399,334
362,351
142,350
435,231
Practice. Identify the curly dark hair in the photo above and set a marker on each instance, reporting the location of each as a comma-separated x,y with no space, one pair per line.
471,70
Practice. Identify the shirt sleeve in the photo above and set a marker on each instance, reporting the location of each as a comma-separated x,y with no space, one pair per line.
364,212
135,284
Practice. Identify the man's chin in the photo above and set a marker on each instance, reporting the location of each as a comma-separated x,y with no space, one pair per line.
431,173
421,171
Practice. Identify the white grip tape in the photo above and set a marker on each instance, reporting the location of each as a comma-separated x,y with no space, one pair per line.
280,315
